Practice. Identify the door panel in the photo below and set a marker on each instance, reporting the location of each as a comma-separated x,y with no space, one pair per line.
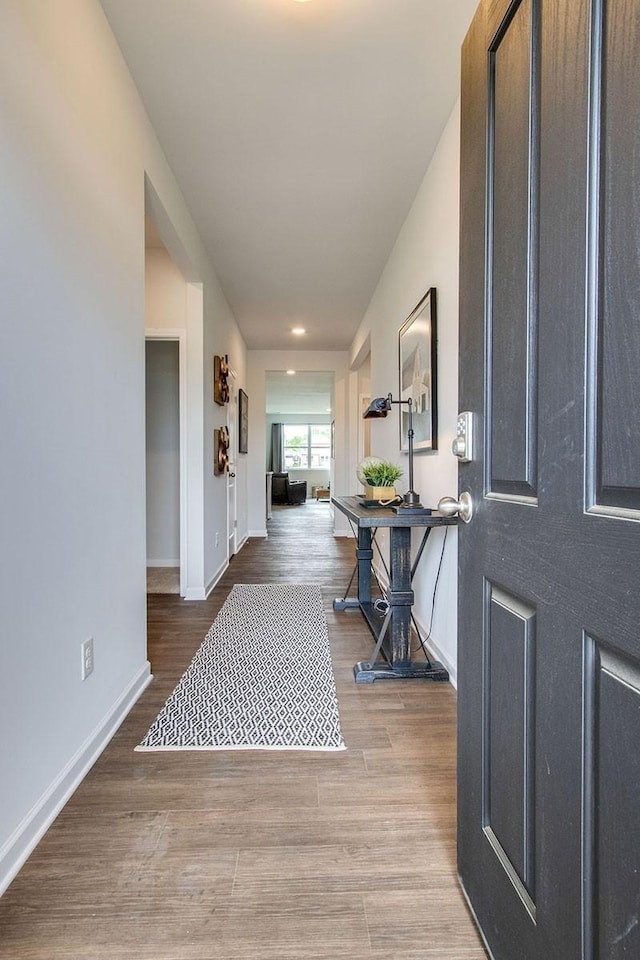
549,642
509,726
616,283
611,799
512,224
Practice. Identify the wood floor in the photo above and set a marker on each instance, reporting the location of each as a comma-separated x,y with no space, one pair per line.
259,855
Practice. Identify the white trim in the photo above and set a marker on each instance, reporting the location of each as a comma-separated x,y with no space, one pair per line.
29,832
180,336
438,654
163,563
216,577
195,593
241,544
260,534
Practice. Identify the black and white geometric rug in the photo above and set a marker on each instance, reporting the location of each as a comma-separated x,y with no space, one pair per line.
261,680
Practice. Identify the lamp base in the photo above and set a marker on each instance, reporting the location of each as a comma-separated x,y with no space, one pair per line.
411,504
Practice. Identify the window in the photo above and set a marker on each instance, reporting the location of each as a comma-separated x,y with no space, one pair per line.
307,446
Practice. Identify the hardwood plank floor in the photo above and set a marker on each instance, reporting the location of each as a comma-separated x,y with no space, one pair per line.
259,855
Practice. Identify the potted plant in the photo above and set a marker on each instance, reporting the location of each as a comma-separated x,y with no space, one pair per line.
378,477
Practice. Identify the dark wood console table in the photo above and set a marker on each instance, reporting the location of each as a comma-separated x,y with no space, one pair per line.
390,627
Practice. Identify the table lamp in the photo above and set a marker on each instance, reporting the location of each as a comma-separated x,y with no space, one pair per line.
380,407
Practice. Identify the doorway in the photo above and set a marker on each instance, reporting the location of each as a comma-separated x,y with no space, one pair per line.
232,496
163,466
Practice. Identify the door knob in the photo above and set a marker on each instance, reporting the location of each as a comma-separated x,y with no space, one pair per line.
449,507
232,474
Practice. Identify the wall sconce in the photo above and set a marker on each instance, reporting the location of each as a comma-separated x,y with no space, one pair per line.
221,380
220,451
380,407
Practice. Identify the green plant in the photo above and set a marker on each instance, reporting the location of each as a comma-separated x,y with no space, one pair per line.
382,473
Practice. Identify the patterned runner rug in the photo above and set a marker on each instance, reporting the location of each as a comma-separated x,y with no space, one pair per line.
261,680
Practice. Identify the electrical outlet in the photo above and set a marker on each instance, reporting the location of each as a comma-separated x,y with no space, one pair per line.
86,650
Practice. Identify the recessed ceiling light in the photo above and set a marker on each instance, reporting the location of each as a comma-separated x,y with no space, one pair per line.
299,331
291,373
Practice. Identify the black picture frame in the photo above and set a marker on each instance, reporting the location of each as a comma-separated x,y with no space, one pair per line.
243,422
417,371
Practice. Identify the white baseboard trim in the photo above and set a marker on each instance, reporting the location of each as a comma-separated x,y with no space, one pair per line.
435,650
195,593
261,534
438,654
163,563
216,578
30,831
241,544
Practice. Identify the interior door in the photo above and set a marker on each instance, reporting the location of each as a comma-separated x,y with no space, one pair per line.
549,655
232,496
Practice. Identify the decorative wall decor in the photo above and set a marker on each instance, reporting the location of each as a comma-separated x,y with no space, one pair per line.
243,422
417,363
220,451
221,379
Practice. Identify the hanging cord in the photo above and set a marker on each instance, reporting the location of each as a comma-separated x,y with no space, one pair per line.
422,642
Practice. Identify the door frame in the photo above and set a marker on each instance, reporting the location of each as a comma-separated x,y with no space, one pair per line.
232,481
179,337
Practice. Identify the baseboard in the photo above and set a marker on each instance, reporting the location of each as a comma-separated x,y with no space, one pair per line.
438,654
261,534
241,544
216,578
435,648
195,593
163,563
30,831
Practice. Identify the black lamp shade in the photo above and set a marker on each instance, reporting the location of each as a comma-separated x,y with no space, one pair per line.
379,407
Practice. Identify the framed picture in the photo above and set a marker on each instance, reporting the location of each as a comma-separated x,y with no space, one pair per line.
243,422
417,366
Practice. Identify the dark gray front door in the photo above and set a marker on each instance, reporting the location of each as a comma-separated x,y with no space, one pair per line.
549,655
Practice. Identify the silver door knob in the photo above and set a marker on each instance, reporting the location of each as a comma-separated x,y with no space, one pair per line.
463,507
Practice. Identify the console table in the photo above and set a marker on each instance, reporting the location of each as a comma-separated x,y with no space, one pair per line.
391,627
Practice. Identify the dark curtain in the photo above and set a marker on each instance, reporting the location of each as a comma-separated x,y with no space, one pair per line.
277,448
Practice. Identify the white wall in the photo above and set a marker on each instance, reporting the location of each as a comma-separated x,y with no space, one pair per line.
165,293
163,453
425,255
259,361
76,148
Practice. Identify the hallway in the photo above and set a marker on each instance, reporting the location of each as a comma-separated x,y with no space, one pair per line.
259,855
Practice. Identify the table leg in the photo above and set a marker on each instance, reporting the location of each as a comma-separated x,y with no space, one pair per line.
400,597
364,556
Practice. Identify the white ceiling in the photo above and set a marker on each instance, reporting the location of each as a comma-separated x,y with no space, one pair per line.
304,392
299,133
